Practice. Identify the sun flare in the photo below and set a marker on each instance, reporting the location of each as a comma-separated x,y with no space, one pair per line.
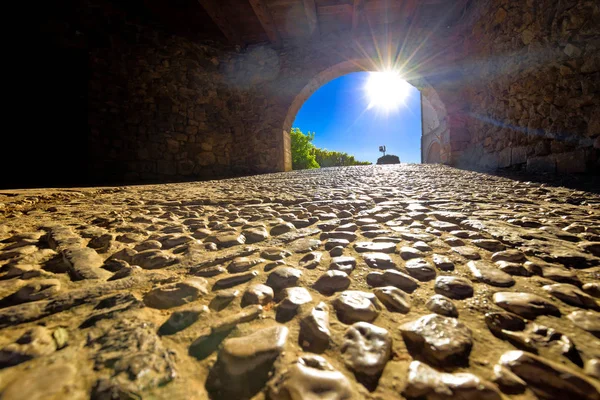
386,90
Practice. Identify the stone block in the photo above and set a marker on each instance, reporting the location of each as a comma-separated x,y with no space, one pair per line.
172,146
541,164
572,51
518,155
489,161
571,162
166,167
504,158
186,167
206,158
561,146
542,148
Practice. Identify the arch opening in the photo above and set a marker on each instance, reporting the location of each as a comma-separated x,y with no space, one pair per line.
434,124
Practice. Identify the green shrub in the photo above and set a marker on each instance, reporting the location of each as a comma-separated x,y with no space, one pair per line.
306,155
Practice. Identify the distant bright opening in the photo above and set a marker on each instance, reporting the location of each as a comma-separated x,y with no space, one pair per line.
387,90
360,111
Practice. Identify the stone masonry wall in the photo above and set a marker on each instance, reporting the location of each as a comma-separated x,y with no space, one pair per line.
164,108
534,86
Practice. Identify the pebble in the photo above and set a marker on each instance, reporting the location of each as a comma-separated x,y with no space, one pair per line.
586,320
377,247
527,305
310,260
353,306
176,294
226,240
257,294
311,377
443,263
293,299
244,363
489,244
349,227
408,253
254,235
454,242
392,277
152,259
84,263
453,287
209,272
424,382
348,236
507,381
332,281
512,268
487,273
572,295
555,272
283,277
234,280
393,298
366,349
467,252
420,269
282,228
314,329
336,251
442,305
509,255
148,245
223,298
330,244
443,226
592,368
593,289
379,260
549,379
243,264
304,245
275,253
343,263
438,339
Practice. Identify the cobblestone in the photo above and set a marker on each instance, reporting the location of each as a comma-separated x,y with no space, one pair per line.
164,291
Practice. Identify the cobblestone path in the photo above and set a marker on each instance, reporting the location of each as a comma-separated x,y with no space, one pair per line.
379,282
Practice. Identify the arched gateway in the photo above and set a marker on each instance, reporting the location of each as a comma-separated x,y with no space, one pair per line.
432,107
203,89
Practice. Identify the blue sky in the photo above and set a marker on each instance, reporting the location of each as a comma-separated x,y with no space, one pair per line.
338,113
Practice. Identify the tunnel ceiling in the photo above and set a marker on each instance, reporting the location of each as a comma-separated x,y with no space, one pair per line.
281,22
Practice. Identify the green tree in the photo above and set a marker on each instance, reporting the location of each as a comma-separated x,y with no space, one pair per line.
328,158
306,155
303,151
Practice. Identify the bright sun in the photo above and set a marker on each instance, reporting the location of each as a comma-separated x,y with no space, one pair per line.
386,90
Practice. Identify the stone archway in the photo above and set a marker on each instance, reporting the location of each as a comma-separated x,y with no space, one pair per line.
431,104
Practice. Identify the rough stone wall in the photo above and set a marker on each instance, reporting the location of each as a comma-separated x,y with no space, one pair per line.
164,107
157,111
533,88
